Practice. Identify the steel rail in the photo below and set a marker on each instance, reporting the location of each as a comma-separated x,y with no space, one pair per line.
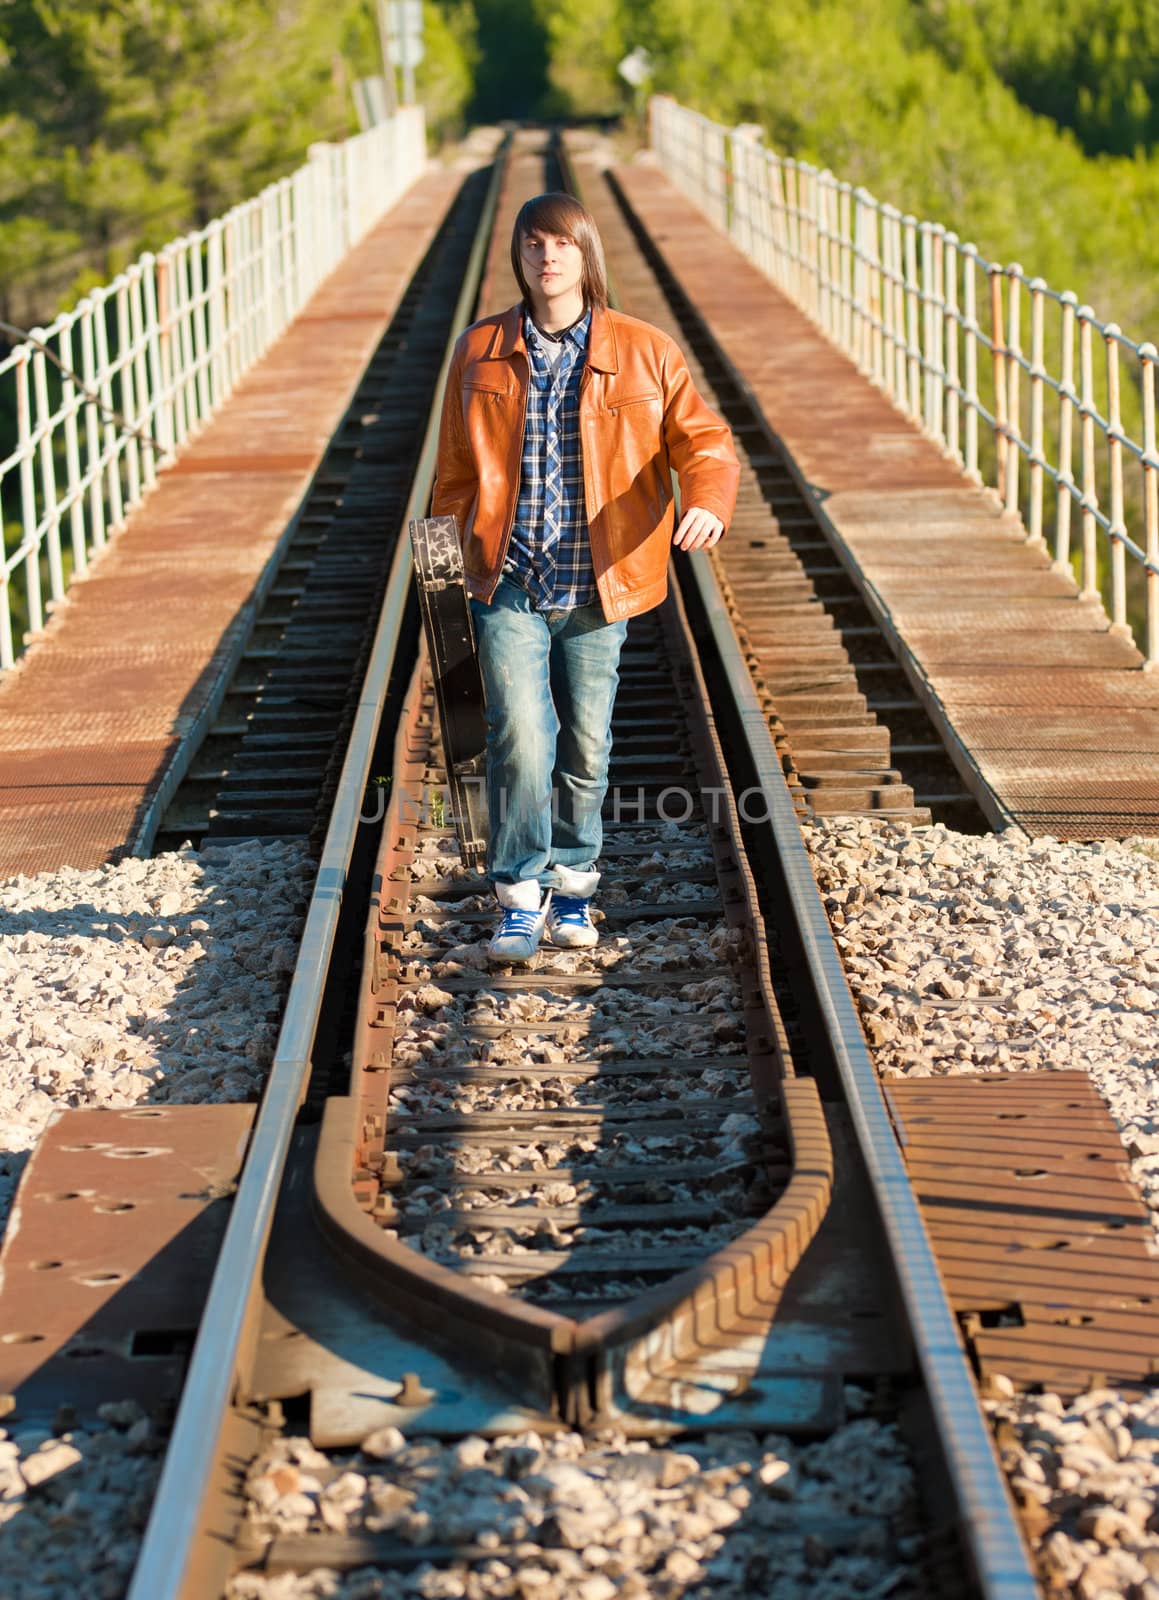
990,1525
167,1547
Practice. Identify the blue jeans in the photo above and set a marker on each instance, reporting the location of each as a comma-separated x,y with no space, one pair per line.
549,678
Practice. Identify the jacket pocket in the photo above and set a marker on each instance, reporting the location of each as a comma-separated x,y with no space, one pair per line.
615,403
482,376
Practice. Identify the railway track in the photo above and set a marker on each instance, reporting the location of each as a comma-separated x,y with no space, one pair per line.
629,1190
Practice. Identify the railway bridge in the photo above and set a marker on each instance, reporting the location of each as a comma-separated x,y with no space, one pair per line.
674,1190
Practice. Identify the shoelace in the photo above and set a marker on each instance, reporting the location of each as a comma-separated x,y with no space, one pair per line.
569,908
517,923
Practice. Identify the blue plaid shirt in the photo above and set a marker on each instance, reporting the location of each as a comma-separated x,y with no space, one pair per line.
550,553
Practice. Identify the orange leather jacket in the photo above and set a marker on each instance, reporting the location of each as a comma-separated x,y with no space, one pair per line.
639,417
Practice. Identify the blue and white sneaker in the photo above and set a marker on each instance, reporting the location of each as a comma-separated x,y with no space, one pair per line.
569,922
517,937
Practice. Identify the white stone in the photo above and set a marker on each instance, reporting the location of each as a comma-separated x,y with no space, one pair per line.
48,1461
384,1443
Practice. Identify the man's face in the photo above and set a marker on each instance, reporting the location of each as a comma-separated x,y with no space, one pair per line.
552,264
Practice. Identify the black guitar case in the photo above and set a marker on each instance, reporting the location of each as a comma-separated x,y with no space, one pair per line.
446,612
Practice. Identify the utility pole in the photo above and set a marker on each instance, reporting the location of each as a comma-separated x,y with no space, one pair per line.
382,17
405,21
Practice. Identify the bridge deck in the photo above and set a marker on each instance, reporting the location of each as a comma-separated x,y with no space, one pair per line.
90,717
1049,716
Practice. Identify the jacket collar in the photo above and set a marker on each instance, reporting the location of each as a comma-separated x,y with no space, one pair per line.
602,352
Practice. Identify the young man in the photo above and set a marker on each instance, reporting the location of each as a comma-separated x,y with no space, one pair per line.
561,424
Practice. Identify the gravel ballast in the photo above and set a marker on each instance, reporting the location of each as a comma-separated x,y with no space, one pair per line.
154,981
601,1516
73,1506
161,981
972,954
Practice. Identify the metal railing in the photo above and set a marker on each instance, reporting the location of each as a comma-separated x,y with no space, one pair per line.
104,397
940,330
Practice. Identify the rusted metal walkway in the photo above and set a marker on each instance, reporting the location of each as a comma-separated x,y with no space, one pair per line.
1044,1242
91,717
1047,713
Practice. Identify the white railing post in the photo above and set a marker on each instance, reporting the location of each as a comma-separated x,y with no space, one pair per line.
1090,483
951,323
929,412
998,353
1013,365
970,331
199,291
866,287
1037,409
231,298
155,290
817,241
1148,356
114,450
893,305
94,471
7,642
142,344
29,520
1117,532
845,254
913,347
49,528
796,281
819,244
74,493
215,305
1067,407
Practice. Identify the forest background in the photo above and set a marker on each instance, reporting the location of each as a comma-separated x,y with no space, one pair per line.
1030,130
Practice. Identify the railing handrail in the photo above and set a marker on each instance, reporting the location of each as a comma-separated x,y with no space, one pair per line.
109,391
901,297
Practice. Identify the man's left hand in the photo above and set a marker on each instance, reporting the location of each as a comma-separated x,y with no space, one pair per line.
698,530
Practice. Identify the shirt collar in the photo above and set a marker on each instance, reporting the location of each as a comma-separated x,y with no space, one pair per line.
576,335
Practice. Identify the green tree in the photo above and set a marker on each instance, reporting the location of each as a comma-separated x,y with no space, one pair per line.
1090,65
129,122
511,78
445,80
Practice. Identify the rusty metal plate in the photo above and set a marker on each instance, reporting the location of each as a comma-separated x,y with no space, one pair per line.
928,505
79,729
36,776
72,832
1136,734
1020,689
109,1250
1039,647
243,461
1047,1250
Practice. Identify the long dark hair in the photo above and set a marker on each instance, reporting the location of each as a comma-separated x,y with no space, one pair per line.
562,216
